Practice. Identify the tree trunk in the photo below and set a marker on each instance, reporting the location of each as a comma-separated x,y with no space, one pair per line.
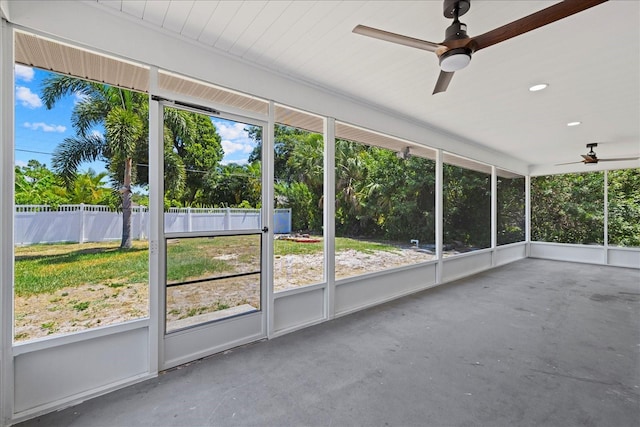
126,206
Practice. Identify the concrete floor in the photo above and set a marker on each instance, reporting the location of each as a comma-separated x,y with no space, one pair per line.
533,343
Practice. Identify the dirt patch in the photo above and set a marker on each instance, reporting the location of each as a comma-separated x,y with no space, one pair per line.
90,306
78,308
292,271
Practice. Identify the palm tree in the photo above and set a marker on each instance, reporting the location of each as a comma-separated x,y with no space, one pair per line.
307,160
118,110
191,142
350,174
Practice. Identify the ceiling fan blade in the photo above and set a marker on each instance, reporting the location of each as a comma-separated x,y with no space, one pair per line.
531,22
443,81
396,38
569,163
589,159
619,159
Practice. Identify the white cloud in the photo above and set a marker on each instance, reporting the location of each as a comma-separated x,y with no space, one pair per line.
235,142
27,98
233,132
24,73
21,163
45,127
232,147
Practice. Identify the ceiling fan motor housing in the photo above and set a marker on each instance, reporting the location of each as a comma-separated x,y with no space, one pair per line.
456,31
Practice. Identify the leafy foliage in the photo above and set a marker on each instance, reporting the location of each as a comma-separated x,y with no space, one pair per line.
298,197
511,210
35,184
568,208
89,189
193,150
378,195
234,185
399,195
298,173
467,207
624,207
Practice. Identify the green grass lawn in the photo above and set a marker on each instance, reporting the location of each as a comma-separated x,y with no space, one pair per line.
46,268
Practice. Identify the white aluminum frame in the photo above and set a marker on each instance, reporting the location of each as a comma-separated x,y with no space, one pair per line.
205,339
6,219
328,219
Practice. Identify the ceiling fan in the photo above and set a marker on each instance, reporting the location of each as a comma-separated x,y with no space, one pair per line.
457,48
591,158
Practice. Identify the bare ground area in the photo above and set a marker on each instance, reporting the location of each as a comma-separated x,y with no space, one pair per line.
78,308
89,306
292,271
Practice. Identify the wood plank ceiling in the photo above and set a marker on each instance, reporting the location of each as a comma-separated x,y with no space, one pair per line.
591,62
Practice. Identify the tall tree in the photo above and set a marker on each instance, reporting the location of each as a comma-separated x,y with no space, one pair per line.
192,146
351,183
118,111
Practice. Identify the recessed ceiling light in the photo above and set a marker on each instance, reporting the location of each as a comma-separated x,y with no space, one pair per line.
573,123
538,87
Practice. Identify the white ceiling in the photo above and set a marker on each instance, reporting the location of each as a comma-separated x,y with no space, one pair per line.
591,62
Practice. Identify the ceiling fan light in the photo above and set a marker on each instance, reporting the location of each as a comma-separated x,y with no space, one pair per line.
455,59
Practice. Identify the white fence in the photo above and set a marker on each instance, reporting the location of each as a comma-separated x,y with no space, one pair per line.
90,223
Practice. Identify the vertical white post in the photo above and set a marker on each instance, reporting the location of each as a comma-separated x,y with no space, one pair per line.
141,222
606,217
527,213
439,215
268,142
156,229
494,215
81,222
227,212
189,224
329,207
6,221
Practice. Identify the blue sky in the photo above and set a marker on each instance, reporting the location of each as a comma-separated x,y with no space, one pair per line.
38,130
235,141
